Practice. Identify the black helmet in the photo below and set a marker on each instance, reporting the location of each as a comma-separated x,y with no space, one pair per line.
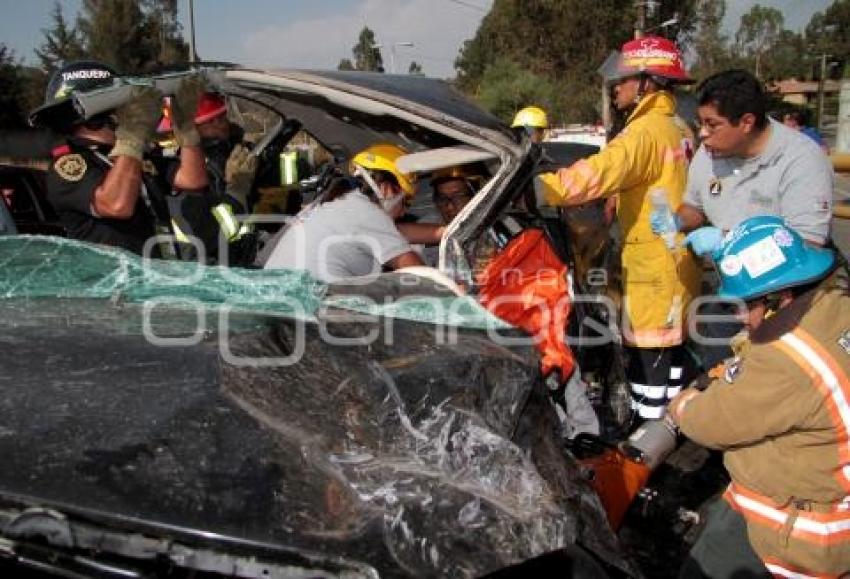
57,112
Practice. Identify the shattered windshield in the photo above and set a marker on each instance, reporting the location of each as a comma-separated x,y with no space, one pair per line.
45,267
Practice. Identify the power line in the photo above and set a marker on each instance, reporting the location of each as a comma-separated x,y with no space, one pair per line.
469,5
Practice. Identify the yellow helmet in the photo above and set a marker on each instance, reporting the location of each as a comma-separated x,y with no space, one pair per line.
382,157
531,117
455,172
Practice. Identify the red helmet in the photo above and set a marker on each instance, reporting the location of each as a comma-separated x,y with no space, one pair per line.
210,106
651,55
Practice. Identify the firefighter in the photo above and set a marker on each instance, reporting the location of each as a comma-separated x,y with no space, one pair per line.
211,216
779,411
100,183
534,121
644,163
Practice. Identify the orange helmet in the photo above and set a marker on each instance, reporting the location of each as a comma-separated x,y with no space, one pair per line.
651,55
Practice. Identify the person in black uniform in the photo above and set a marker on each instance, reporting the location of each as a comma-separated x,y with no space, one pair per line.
212,216
100,184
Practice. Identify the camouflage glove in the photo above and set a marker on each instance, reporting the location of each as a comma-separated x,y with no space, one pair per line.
137,122
239,173
184,103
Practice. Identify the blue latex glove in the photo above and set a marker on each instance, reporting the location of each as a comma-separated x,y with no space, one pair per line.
663,221
705,240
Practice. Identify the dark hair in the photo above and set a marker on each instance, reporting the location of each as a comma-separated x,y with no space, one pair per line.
734,93
341,184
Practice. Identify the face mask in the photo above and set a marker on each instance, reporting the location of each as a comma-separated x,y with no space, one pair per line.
388,204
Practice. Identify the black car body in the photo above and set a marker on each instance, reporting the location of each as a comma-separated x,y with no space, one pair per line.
176,419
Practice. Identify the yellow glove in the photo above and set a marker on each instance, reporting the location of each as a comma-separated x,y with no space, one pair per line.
239,173
184,103
137,120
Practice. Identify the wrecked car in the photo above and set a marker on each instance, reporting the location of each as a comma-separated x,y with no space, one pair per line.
174,418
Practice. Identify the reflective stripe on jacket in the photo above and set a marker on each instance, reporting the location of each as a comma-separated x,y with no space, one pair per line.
651,153
782,416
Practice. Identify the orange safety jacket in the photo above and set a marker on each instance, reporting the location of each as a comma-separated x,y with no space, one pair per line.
650,153
526,285
781,413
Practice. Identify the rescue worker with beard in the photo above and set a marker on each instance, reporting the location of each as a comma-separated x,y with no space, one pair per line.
210,216
351,230
100,183
533,121
649,158
780,412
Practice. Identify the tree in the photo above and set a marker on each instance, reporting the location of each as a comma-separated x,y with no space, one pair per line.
561,41
61,43
709,42
366,54
507,87
758,31
414,68
345,64
783,58
134,37
829,33
12,113
164,32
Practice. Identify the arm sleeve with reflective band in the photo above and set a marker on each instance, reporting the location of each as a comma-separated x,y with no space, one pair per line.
625,162
769,396
806,199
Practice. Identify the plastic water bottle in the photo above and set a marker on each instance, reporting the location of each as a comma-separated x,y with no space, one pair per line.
660,205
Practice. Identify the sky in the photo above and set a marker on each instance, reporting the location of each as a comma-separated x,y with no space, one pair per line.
318,33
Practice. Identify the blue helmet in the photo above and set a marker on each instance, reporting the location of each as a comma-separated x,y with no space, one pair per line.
763,255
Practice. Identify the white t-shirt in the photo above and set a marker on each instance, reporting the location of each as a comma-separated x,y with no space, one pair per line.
348,237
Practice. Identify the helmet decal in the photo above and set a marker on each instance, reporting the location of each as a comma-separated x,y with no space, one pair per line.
761,257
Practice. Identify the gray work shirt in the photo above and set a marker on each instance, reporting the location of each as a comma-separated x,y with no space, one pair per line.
348,237
792,178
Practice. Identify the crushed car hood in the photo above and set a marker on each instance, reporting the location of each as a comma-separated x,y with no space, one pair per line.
415,455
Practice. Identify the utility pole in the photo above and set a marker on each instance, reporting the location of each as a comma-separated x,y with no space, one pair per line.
193,56
640,23
821,82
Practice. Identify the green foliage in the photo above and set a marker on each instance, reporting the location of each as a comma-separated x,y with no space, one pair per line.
134,37
757,33
709,44
829,33
507,87
345,64
366,54
61,43
562,42
414,68
12,114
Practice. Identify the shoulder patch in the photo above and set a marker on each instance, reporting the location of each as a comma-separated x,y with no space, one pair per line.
732,370
71,167
844,342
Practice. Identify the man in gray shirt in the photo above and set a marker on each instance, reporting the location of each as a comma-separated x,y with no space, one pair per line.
750,165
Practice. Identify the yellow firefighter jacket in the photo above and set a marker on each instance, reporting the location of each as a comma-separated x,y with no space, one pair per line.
650,153
781,413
